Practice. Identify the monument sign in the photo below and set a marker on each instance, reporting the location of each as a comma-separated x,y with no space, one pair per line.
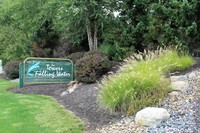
45,70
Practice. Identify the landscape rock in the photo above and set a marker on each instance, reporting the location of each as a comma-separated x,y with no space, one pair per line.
151,116
192,75
71,86
179,85
64,93
178,78
173,93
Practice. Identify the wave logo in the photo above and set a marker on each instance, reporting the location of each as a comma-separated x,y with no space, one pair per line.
35,65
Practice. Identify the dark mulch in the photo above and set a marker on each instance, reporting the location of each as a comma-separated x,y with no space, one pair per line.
83,100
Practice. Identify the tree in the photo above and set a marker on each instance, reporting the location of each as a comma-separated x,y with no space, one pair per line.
25,24
173,23
130,24
82,18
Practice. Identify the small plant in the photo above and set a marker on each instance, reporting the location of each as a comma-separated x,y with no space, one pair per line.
93,65
141,81
108,50
12,69
75,56
115,52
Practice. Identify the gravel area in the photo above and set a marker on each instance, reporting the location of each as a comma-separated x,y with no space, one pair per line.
184,109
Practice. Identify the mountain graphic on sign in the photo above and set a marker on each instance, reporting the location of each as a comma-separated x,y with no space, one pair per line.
33,67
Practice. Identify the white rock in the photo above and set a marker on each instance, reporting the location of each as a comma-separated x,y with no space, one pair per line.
151,116
178,78
180,85
173,93
64,93
192,75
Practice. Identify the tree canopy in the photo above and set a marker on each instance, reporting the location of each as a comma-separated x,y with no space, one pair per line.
127,25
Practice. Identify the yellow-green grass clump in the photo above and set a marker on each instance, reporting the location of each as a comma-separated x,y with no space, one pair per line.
141,83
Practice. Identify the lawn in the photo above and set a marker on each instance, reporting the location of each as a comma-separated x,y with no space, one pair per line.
34,114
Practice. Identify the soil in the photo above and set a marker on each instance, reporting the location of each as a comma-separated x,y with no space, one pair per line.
83,100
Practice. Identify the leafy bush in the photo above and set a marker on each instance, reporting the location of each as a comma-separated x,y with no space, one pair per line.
65,48
108,50
115,52
93,65
141,83
75,56
12,69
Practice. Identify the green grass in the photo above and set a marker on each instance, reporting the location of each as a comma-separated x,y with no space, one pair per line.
141,84
34,114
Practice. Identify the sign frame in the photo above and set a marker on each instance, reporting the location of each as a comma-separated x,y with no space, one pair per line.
23,70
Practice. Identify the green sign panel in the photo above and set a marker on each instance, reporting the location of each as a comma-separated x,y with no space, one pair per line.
47,70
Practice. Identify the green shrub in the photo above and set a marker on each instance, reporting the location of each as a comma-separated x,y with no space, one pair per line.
75,56
115,52
108,50
93,65
12,69
141,83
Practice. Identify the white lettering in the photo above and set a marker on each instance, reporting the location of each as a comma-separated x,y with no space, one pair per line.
53,68
62,74
44,74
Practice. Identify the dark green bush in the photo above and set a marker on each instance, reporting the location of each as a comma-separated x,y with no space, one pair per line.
108,50
12,69
116,52
75,56
93,65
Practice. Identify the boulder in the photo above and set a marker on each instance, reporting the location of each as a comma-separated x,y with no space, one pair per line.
151,116
179,85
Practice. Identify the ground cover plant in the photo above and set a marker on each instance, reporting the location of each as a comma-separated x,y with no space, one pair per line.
141,82
33,113
12,69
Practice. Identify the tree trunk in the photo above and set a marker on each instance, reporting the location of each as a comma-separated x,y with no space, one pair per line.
95,35
92,35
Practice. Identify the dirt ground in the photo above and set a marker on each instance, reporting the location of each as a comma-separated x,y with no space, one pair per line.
83,100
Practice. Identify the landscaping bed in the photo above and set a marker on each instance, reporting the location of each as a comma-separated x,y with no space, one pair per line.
83,100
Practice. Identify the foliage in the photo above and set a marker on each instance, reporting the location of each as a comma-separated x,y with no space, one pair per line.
115,52
23,113
174,22
129,26
108,50
45,40
138,25
74,57
140,83
18,23
12,69
65,48
93,65
13,44
78,20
